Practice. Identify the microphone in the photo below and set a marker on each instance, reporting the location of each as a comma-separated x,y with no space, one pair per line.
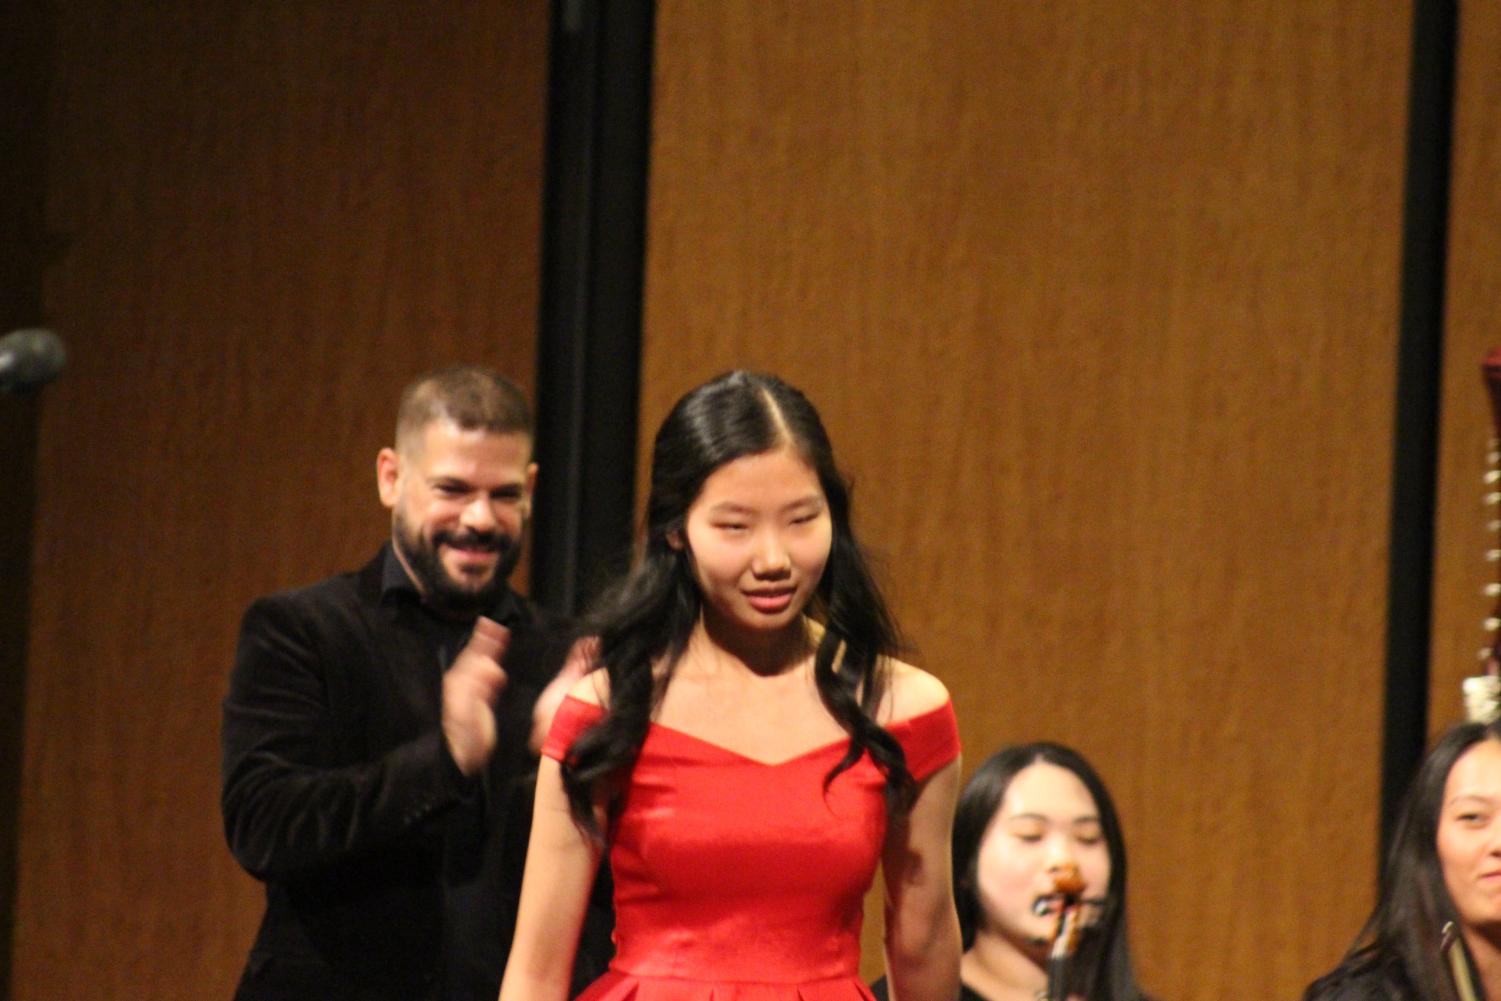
29,359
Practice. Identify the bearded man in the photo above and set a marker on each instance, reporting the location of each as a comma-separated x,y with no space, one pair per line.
381,726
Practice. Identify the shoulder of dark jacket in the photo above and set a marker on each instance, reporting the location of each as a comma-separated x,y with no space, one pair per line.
540,642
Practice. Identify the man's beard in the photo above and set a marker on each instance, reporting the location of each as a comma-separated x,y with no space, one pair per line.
439,588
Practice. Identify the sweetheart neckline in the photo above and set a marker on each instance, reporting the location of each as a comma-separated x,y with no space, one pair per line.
838,743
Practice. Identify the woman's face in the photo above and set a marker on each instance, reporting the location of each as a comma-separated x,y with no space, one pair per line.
1047,822
1469,835
759,534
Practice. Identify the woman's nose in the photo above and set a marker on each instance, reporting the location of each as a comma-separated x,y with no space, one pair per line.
1060,856
770,557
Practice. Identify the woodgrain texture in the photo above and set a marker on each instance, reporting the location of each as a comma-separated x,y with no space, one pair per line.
1472,305
275,215
1099,303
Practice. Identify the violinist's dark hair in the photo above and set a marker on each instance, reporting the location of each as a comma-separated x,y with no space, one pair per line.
1397,949
1103,969
646,620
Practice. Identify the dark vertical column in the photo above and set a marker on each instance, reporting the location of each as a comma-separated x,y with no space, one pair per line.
594,235
1419,373
26,53
17,497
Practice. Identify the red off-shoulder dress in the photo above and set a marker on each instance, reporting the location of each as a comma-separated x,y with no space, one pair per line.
743,880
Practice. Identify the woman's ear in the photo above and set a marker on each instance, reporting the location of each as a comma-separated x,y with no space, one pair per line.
675,539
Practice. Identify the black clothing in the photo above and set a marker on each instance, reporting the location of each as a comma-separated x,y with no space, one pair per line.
1364,980
965,993
388,873
1366,985
968,993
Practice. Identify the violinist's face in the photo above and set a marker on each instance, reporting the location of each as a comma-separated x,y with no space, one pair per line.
1047,821
1469,835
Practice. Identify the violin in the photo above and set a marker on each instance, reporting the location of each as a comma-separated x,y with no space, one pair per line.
1068,890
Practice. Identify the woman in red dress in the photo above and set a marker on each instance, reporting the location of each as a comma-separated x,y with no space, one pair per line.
751,749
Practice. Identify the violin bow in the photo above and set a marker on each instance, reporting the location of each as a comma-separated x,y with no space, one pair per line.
1459,966
1068,887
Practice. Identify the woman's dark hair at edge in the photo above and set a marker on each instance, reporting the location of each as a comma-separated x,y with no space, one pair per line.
1103,962
649,617
1399,945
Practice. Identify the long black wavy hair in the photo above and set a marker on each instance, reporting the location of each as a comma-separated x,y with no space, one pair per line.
647,619
1102,966
1397,949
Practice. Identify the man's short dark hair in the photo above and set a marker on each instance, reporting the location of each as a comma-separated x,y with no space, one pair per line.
472,397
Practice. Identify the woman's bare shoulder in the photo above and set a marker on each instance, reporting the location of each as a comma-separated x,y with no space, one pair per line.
593,688
910,691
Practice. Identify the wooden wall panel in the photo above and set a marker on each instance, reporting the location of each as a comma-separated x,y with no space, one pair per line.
1473,302
1099,302
274,216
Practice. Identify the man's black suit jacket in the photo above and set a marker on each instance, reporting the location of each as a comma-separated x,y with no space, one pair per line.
388,873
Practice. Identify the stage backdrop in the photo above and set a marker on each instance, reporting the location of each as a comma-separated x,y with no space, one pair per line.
1100,304
271,216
